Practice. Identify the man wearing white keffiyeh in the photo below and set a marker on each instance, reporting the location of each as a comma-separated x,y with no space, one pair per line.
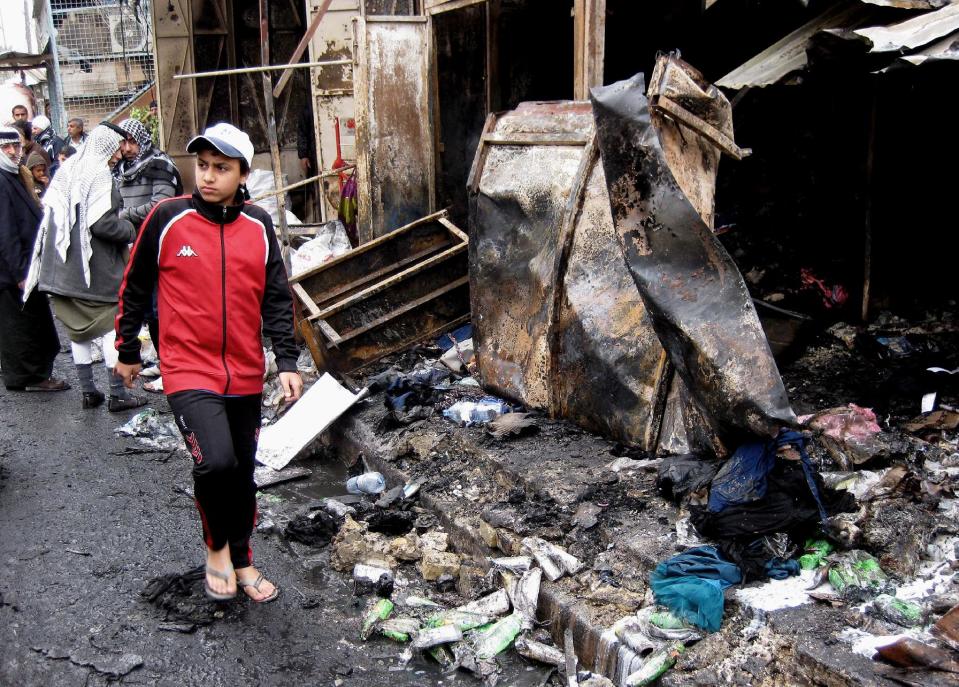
79,257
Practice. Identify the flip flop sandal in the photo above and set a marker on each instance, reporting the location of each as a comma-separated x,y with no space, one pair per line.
217,596
154,387
256,586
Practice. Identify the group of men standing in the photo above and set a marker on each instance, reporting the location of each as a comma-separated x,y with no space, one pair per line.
142,175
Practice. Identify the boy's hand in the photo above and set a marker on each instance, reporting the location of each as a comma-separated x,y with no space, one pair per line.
128,373
292,386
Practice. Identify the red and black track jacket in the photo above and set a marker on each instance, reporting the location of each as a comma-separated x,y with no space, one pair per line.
220,282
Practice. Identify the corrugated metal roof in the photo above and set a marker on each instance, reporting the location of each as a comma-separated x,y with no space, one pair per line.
788,55
853,20
912,33
946,49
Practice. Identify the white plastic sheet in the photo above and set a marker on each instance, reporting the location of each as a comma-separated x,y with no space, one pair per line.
307,419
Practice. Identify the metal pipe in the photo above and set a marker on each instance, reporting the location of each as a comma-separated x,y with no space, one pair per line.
262,68
302,182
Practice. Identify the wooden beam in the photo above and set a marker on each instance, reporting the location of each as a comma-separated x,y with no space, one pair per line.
721,140
301,47
305,299
271,134
405,308
385,284
364,247
327,296
316,347
534,140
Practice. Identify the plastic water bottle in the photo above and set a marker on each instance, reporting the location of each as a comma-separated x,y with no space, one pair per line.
367,483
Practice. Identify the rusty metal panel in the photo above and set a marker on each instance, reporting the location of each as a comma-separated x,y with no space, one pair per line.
332,86
386,295
693,291
558,323
395,144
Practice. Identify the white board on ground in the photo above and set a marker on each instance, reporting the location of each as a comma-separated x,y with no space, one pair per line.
314,412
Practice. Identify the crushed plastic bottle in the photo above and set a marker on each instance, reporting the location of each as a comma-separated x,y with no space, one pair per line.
367,483
399,629
478,412
655,666
381,610
498,637
464,620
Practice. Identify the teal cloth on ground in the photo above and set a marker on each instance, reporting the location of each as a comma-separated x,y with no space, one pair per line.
691,585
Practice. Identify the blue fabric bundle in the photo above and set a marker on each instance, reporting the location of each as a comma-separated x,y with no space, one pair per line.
691,585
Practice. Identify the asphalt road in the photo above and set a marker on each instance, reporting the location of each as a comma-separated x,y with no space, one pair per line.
84,527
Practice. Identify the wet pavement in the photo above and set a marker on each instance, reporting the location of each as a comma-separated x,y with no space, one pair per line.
86,523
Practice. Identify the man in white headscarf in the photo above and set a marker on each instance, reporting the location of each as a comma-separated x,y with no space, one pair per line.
79,258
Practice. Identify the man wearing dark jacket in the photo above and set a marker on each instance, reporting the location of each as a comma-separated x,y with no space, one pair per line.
145,175
45,137
28,338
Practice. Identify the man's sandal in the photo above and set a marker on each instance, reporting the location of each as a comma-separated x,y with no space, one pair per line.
219,574
256,587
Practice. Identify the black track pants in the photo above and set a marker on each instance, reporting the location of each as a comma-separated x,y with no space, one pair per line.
221,434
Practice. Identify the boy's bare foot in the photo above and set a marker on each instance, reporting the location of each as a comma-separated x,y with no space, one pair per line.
220,561
254,585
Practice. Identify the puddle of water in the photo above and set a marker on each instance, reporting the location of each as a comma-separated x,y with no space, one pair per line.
328,479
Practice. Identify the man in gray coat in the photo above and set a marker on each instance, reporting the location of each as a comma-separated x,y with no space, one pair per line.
145,175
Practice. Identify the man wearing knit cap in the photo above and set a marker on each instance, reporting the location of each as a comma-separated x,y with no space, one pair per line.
28,338
45,137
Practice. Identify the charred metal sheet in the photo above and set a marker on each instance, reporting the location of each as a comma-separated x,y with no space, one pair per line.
386,295
395,150
694,293
558,324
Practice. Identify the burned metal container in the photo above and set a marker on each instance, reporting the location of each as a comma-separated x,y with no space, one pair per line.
558,323
578,280
385,295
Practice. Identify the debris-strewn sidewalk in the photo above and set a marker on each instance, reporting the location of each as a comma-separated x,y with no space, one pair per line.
881,569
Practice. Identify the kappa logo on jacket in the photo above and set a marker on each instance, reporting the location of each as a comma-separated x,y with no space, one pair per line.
187,252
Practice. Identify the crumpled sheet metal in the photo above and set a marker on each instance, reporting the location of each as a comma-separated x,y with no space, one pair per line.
694,293
558,324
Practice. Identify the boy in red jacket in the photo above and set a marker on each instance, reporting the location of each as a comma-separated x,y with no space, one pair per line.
221,283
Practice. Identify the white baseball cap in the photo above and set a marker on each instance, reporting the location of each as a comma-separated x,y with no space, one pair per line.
227,139
40,122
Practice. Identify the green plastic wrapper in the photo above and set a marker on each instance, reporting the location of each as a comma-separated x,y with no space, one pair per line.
857,576
381,610
898,611
667,621
816,552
